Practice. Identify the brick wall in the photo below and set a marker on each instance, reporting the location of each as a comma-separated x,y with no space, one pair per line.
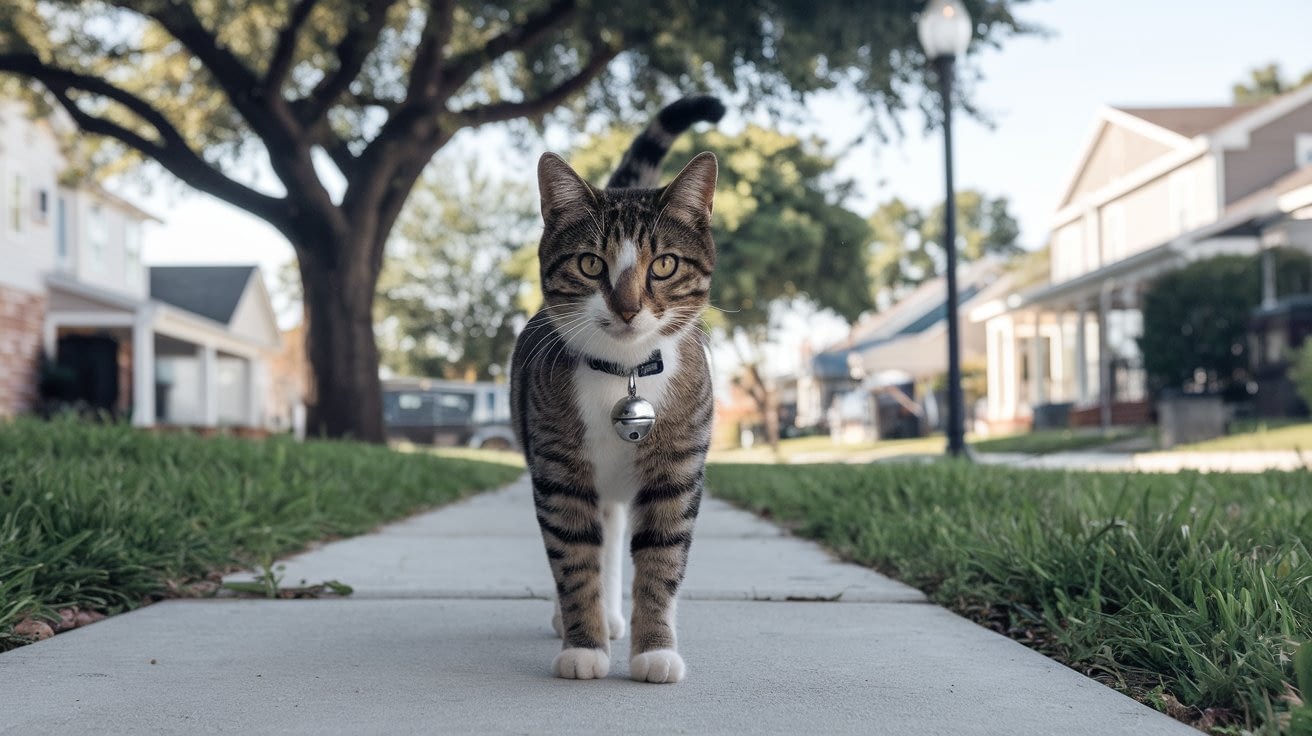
21,317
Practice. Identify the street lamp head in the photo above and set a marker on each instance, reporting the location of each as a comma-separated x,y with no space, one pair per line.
944,28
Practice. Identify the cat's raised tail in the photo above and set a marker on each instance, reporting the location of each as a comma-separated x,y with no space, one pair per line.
641,165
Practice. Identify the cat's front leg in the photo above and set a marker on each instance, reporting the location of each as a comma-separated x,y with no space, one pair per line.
571,524
663,516
614,521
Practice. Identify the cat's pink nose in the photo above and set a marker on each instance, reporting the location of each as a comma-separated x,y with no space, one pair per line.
628,316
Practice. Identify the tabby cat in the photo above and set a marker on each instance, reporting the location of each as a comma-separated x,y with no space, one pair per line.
626,271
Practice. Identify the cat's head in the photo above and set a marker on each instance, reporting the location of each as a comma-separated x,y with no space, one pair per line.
624,268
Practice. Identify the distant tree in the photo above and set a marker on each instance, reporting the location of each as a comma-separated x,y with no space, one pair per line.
1265,82
782,232
449,294
1195,320
906,247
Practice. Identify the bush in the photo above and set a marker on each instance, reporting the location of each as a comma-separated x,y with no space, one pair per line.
1195,320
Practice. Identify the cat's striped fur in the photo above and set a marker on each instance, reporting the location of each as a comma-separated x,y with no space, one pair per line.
607,295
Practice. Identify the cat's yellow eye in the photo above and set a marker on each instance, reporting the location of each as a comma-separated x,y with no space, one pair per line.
664,267
591,266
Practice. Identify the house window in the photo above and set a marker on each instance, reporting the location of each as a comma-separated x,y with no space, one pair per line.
16,196
61,232
42,206
132,255
97,235
1303,149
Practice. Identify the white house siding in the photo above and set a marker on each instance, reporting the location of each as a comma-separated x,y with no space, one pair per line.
1115,151
105,230
252,317
29,164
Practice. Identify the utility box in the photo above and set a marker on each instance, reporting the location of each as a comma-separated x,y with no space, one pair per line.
1186,418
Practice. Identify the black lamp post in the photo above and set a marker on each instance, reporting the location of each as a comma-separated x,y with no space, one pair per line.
945,32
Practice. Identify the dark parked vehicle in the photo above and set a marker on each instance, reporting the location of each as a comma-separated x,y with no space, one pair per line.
448,413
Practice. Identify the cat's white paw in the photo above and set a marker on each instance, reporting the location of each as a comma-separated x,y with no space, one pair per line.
616,625
658,665
582,664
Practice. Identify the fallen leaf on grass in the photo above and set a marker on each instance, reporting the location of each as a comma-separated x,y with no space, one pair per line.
31,627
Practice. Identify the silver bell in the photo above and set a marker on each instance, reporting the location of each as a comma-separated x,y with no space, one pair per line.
633,417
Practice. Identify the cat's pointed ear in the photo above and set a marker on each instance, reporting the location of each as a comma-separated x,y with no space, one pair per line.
691,195
560,187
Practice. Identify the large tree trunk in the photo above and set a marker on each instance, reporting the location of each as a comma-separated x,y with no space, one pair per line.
345,399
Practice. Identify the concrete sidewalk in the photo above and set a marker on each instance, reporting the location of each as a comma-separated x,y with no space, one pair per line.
449,632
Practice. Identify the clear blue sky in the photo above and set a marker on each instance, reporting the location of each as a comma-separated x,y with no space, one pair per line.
1042,93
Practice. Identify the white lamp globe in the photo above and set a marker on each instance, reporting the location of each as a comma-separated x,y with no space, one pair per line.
944,28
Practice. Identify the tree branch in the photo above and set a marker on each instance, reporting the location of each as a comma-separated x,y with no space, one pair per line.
281,63
352,51
546,102
460,68
171,150
426,70
238,82
269,116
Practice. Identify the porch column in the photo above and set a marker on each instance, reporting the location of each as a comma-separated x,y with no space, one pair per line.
1081,356
1057,351
995,374
1104,357
50,338
1010,378
1268,279
255,392
143,368
1037,376
208,358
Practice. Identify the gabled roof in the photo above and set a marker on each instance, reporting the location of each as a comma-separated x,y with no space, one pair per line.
1188,121
210,291
1190,130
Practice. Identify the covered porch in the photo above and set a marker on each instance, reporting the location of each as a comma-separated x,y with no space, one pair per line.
1067,354
169,366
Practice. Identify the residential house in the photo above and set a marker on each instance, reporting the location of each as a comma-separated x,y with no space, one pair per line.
900,346
166,345
1152,189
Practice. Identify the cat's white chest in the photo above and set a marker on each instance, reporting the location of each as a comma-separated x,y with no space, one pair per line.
595,393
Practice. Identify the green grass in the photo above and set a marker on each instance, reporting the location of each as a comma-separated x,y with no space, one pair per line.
1047,441
108,518
1274,435
1189,588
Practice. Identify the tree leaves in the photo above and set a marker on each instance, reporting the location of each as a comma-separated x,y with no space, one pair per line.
448,296
907,244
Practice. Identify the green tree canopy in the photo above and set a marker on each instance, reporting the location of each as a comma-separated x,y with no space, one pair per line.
1195,319
1265,82
334,107
906,246
449,294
